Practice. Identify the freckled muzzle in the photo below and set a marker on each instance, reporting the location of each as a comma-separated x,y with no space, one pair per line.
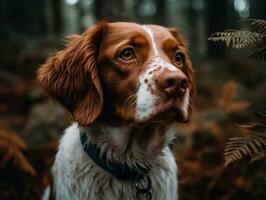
163,93
164,89
168,80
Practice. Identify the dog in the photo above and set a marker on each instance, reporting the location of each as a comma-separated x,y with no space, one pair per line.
126,86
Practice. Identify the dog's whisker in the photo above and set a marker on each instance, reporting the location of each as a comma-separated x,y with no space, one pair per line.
130,98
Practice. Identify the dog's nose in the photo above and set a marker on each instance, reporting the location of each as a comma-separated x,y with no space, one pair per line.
172,82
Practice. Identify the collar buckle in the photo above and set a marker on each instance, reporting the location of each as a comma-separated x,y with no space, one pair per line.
143,189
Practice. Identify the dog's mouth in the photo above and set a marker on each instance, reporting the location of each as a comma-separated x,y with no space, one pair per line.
169,110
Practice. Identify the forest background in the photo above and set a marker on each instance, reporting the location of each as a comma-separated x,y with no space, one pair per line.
230,91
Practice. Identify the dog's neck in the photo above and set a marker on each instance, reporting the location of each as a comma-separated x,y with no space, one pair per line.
130,144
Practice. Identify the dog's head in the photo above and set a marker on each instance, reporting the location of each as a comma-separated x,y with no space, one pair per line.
122,73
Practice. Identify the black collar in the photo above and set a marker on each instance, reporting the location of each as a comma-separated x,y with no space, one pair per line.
119,170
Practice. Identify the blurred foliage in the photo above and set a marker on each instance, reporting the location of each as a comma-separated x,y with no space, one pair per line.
228,90
228,100
11,147
255,145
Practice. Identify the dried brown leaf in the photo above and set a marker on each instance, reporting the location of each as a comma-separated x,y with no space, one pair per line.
12,146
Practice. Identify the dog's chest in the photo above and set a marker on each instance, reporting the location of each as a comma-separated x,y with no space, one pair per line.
77,177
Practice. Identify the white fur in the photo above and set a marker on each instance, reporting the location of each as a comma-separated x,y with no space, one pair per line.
46,193
154,46
145,102
77,177
186,103
164,64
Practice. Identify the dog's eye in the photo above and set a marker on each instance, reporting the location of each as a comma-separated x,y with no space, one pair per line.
127,54
179,58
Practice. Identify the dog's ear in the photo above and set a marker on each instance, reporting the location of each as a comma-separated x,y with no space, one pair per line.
70,76
188,68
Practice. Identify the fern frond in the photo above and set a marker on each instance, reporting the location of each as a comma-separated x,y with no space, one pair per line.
238,147
237,38
258,156
259,55
260,24
253,146
259,124
261,117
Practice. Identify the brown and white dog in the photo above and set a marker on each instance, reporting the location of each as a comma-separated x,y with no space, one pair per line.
126,85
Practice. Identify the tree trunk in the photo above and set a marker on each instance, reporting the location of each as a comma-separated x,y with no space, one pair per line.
160,14
111,10
257,9
216,21
57,16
